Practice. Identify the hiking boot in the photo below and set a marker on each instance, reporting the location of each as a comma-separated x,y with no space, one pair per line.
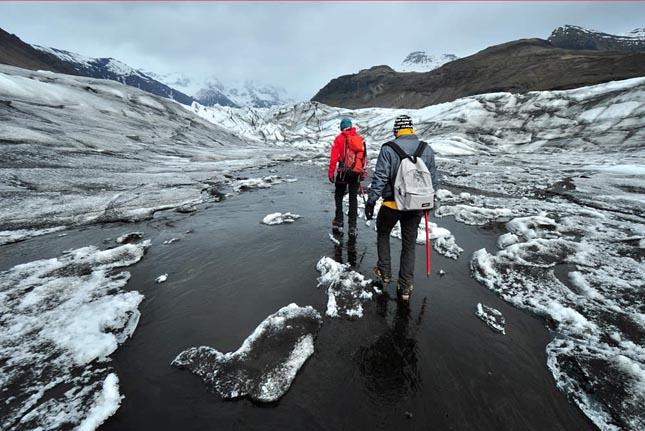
403,292
337,226
385,279
353,231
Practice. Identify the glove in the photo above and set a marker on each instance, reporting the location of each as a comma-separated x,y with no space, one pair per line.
369,210
331,180
363,175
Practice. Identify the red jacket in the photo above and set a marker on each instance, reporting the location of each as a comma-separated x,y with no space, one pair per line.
338,152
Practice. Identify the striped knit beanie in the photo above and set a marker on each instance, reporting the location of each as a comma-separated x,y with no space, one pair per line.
402,122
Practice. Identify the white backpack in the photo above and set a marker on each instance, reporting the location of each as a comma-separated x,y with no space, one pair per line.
413,188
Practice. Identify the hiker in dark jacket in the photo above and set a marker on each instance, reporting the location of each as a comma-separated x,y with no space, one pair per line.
387,166
345,181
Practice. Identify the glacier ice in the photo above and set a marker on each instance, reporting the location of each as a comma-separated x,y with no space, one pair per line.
61,319
491,317
266,364
347,290
280,218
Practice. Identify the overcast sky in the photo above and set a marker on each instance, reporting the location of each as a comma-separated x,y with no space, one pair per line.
300,46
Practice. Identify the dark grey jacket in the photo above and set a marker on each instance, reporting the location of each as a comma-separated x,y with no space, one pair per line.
388,164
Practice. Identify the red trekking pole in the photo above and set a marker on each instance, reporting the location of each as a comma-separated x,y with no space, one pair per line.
427,247
362,193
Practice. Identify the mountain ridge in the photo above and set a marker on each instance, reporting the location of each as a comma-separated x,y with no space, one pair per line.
15,52
209,91
115,70
420,61
576,37
517,66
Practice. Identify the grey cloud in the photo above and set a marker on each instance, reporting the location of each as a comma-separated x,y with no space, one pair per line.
300,46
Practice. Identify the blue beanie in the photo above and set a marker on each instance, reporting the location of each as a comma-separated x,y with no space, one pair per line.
345,123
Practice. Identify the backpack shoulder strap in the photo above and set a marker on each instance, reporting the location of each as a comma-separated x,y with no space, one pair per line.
402,154
345,146
364,152
420,149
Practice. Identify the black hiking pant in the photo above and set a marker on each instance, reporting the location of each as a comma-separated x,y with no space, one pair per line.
343,183
385,221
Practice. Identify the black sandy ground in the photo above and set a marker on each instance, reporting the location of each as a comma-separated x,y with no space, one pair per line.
432,365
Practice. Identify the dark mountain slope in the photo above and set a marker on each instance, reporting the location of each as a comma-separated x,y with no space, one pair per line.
574,37
518,66
15,52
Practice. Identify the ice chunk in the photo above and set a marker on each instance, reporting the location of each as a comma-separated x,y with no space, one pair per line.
186,208
280,218
129,237
444,241
333,239
266,364
447,246
347,289
492,317
258,183
474,215
534,227
60,320
106,404
443,194
11,236
507,239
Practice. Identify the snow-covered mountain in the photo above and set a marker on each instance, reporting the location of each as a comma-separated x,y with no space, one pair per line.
114,70
638,33
257,94
575,37
181,87
210,91
176,86
419,61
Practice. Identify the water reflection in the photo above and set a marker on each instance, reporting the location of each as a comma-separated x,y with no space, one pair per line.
389,364
350,246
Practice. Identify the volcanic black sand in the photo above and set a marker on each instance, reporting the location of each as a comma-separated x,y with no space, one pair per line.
430,366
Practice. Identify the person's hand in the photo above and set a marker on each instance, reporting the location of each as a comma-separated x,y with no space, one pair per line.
369,210
331,180
363,175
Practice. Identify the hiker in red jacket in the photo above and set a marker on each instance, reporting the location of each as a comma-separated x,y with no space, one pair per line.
346,169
